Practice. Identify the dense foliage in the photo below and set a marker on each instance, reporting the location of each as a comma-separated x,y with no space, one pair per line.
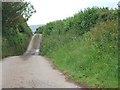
15,31
80,22
84,46
12,11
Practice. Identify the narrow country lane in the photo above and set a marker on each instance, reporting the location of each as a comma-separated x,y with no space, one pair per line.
31,70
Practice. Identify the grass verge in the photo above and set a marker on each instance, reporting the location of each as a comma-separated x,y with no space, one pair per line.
90,59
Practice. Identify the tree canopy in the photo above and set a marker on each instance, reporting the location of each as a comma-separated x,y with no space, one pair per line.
12,11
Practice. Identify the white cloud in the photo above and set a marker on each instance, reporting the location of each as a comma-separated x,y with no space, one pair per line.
50,10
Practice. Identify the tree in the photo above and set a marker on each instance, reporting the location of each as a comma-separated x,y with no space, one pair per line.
12,11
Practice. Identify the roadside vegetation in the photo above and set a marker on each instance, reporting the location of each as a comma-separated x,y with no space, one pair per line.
84,46
16,34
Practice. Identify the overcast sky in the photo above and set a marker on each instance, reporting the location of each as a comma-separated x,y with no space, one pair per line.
51,10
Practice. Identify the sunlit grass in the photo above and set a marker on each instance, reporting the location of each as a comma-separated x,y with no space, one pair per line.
90,59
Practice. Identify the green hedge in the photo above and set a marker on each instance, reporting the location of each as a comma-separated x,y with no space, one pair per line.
15,39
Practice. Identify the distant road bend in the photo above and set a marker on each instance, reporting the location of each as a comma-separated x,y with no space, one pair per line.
31,70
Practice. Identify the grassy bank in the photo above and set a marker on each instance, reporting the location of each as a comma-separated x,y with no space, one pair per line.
15,39
84,47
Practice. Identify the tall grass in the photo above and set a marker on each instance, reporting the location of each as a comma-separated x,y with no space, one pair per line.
91,59
86,55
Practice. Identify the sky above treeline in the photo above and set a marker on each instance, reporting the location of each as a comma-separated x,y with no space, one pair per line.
51,10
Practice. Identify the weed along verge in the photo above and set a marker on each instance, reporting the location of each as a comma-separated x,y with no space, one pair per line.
84,46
